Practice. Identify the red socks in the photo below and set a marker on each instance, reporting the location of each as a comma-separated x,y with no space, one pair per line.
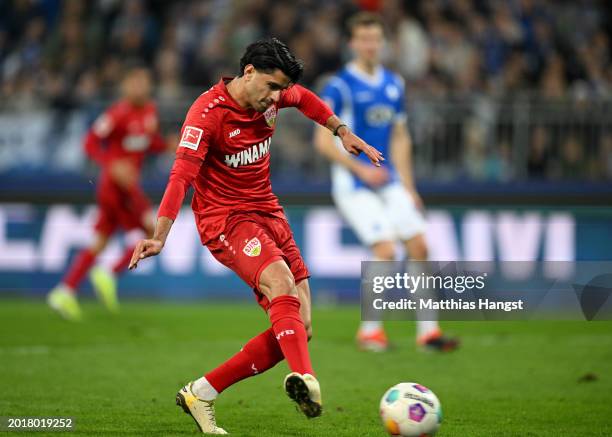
258,355
286,339
284,313
79,268
83,262
124,261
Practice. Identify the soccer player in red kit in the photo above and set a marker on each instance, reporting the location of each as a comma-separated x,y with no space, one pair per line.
118,141
224,153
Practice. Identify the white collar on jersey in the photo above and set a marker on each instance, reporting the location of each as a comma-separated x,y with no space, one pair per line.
375,79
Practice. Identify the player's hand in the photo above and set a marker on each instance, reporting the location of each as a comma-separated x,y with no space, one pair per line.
123,173
372,176
355,145
145,249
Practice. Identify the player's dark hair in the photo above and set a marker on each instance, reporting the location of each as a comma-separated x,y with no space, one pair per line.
271,54
363,19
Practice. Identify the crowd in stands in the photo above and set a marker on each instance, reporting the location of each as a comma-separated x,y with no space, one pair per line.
64,54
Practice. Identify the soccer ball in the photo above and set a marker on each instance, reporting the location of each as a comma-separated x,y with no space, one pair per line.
409,409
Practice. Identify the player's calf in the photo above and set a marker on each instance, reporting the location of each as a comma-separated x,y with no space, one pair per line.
277,280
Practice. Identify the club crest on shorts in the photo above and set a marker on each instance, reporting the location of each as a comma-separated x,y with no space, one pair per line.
253,247
270,115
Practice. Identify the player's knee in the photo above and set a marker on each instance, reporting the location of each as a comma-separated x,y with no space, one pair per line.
418,252
384,251
277,280
282,284
99,244
95,250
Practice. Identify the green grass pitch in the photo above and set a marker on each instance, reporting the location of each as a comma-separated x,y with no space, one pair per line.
118,375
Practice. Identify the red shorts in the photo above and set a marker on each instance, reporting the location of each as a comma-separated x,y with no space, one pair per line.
252,241
118,210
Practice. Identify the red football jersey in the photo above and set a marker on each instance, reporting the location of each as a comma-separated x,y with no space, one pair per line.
124,131
233,145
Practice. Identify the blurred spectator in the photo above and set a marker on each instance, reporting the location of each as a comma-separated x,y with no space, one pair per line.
134,32
538,159
499,163
605,157
518,44
475,151
572,159
69,54
552,82
413,49
167,67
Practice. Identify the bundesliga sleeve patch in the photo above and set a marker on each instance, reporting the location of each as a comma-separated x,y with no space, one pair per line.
191,138
103,125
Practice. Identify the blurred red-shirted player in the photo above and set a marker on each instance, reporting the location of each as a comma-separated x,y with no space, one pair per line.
118,141
224,153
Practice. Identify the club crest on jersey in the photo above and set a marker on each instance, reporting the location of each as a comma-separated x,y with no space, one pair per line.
253,247
270,115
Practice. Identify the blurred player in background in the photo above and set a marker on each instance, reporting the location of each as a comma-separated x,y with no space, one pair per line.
224,153
380,204
118,142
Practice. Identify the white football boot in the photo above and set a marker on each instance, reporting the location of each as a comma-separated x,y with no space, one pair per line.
306,392
105,286
63,300
203,412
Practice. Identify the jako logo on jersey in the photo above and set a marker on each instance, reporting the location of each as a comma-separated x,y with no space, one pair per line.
270,115
249,155
285,332
233,133
252,248
191,138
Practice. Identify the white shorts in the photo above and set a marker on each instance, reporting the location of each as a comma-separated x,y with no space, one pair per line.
388,214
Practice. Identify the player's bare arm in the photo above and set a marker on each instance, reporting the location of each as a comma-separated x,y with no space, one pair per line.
325,144
315,109
181,176
152,246
401,156
351,142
